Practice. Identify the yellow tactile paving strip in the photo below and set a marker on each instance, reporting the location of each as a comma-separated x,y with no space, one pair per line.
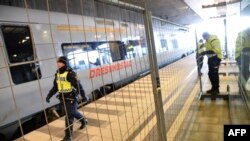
129,113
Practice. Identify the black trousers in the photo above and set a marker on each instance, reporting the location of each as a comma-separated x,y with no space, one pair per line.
71,113
213,73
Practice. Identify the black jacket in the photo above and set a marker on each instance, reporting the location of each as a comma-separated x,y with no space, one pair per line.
72,78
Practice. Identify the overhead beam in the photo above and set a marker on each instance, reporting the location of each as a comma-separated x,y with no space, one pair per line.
221,4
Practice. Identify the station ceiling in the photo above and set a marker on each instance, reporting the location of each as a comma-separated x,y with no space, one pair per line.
188,12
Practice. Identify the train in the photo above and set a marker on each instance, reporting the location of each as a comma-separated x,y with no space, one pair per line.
105,53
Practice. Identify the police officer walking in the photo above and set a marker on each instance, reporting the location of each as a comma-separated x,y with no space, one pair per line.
67,86
213,52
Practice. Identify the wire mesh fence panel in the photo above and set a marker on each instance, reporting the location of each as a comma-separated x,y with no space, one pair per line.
104,89
171,41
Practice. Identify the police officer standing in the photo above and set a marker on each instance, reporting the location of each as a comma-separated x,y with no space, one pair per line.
213,52
67,86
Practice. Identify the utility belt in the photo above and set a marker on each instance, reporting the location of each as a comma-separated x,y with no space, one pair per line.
66,91
70,96
211,55
199,57
214,61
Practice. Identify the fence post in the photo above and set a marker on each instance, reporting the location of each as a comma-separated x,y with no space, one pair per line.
155,76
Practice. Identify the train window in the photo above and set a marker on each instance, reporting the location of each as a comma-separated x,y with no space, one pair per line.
77,54
134,48
174,43
17,3
143,45
164,43
134,42
86,55
19,47
130,49
35,4
18,43
143,42
115,51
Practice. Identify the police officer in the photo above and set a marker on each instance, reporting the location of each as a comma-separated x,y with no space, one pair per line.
130,50
67,86
199,57
213,52
242,52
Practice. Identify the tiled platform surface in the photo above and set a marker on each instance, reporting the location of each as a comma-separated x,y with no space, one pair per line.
209,116
129,113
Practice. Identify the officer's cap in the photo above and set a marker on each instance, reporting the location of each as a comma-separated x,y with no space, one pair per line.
205,35
63,59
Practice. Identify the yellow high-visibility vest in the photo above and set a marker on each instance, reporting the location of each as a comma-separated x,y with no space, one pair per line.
200,48
130,48
63,85
213,43
242,41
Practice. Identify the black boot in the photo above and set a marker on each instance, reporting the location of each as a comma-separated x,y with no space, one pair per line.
215,92
84,122
68,134
210,91
67,138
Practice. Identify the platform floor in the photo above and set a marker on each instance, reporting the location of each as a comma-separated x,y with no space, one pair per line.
129,113
210,116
